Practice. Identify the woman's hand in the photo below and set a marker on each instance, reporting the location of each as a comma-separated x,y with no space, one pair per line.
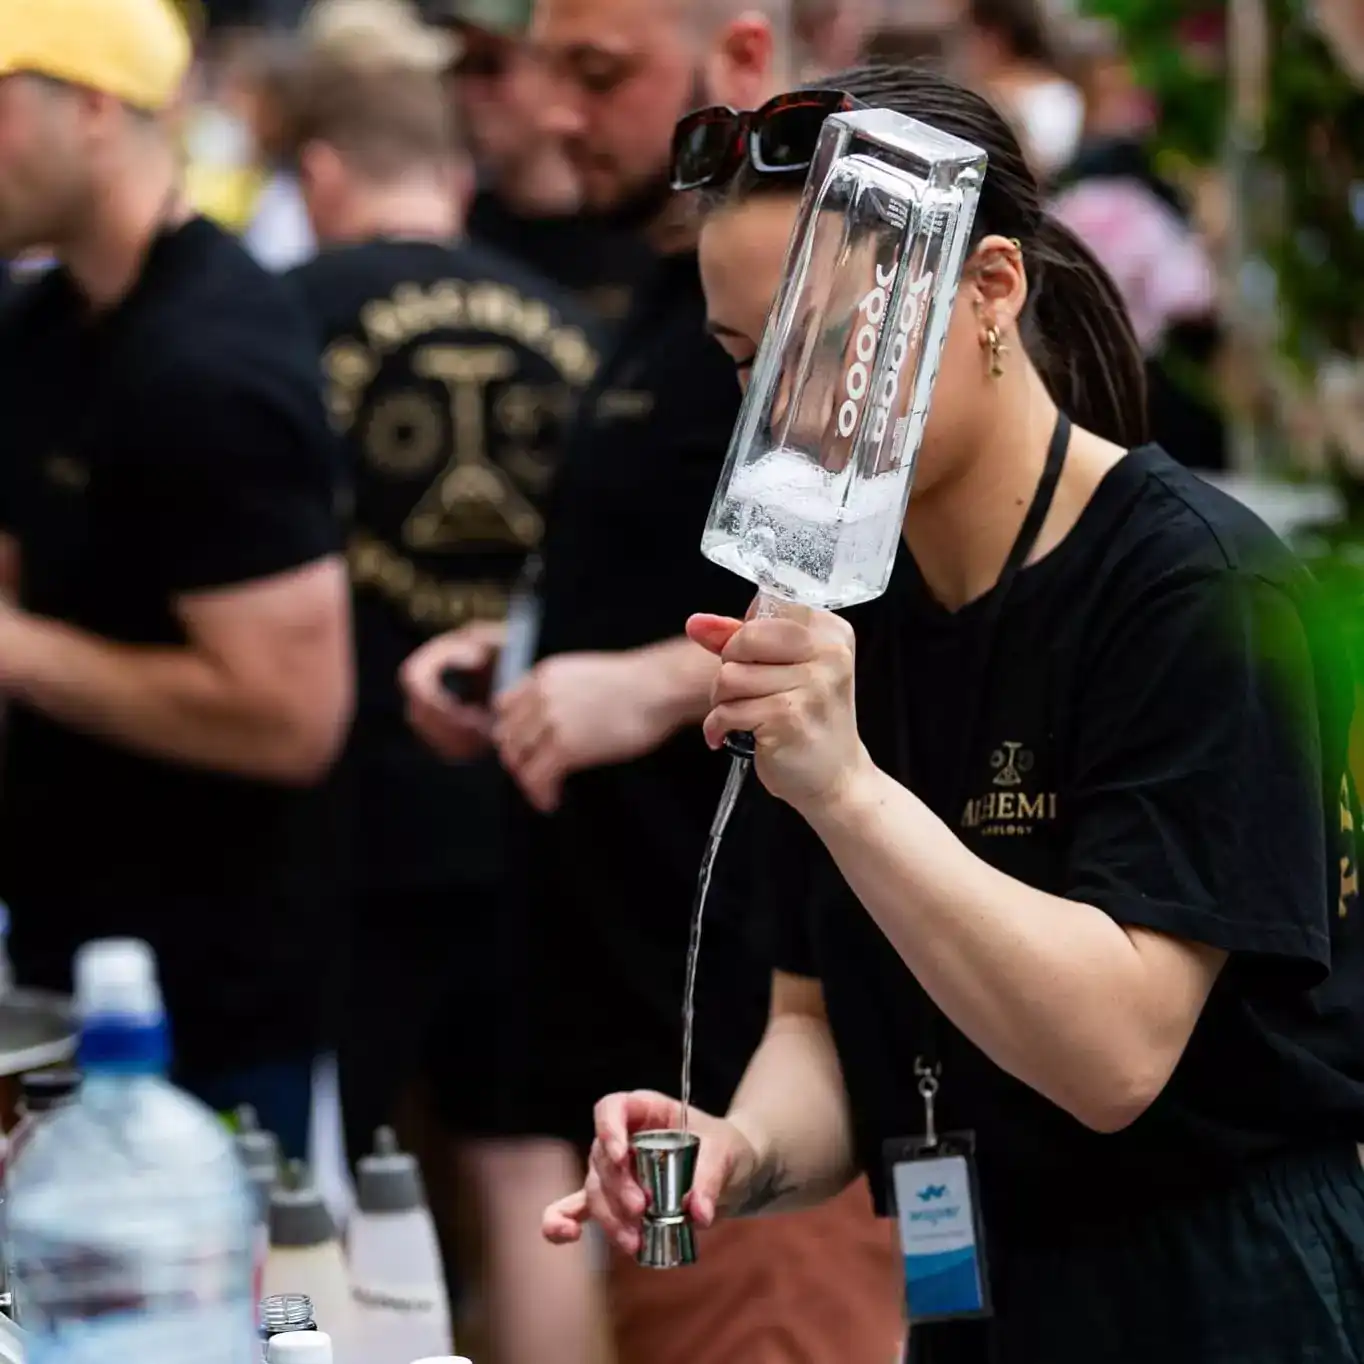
791,684
726,1164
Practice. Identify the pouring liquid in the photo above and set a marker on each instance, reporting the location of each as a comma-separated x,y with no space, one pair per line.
729,798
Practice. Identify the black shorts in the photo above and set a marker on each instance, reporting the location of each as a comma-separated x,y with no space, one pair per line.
421,1003
1269,1271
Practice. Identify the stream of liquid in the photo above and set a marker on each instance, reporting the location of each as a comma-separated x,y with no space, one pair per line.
734,783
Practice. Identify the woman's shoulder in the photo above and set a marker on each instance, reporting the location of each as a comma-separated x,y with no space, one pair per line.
1153,521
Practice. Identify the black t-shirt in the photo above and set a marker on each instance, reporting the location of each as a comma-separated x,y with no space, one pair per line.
613,872
452,371
1161,734
175,445
602,266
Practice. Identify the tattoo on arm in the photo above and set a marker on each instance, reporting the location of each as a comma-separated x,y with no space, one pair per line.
768,1186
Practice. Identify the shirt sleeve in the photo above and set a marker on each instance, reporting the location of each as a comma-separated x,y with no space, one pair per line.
1196,796
239,474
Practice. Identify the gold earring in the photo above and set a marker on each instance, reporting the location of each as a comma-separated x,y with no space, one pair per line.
997,350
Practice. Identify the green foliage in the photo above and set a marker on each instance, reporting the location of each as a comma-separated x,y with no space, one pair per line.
1305,209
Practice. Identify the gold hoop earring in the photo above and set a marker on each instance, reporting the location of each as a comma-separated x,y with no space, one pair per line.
997,350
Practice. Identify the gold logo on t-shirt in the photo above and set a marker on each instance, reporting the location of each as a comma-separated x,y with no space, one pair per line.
462,402
1010,761
1008,810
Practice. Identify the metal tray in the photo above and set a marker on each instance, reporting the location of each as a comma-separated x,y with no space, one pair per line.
37,1029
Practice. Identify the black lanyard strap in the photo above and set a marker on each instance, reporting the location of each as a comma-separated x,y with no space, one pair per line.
928,1064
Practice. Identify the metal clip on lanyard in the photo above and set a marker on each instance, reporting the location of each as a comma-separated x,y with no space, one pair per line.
928,1064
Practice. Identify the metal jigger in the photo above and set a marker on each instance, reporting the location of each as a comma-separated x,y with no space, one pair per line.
665,1165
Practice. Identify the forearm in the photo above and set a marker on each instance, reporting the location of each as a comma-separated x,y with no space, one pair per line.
167,702
675,678
793,1107
1053,991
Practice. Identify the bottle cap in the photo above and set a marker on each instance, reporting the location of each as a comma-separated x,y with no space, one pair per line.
43,1090
116,978
298,1215
389,1180
287,1312
313,1346
258,1149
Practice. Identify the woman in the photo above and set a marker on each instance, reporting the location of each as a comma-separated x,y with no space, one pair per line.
1078,873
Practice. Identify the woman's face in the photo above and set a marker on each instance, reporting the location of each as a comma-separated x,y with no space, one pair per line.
743,249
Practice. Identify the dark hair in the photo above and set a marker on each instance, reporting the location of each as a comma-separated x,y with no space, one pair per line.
1075,325
1021,24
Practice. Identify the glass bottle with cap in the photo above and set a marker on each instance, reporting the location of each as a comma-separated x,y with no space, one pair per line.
395,1260
306,1258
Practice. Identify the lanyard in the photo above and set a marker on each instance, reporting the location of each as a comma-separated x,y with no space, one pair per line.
928,1063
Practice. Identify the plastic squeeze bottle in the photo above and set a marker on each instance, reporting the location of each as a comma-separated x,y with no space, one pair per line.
306,1258
395,1261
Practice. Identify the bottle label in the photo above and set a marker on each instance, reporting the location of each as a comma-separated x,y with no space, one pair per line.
224,1334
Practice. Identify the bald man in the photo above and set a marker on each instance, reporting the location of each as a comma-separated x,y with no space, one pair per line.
617,790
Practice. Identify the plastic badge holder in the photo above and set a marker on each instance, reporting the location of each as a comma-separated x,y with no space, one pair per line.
813,493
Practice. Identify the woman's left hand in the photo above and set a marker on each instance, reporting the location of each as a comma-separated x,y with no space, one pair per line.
790,683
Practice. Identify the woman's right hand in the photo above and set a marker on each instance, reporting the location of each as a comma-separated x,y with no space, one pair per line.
457,730
725,1165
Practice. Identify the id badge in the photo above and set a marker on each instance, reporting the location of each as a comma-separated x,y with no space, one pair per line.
523,634
933,1184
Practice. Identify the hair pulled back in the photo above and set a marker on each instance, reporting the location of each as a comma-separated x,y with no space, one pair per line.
1074,326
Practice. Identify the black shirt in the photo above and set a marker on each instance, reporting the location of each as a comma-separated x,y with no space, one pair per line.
600,265
175,445
1161,734
451,370
613,871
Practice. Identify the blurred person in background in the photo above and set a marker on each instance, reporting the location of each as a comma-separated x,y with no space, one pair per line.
831,35
618,790
529,201
1139,226
174,637
450,368
1006,50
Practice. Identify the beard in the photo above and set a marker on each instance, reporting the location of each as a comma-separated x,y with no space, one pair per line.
645,203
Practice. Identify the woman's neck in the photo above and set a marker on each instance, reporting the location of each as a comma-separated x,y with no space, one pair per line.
961,532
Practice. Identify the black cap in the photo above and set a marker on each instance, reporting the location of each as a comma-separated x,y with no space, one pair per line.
41,1090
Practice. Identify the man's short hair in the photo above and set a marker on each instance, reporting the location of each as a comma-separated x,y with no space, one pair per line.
384,120
377,95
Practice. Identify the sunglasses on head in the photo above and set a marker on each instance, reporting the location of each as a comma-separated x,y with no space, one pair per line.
710,145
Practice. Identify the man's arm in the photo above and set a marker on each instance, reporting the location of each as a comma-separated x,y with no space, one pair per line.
262,689
793,1107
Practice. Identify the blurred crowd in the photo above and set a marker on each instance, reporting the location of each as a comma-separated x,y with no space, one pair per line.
469,203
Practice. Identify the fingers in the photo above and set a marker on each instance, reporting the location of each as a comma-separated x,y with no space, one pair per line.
453,730
788,641
746,717
563,1221
618,1116
743,681
541,778
712,632
714,1163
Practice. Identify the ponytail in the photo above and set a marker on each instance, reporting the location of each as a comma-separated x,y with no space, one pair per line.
1082,340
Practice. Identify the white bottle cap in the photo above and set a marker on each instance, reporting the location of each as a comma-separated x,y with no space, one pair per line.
444,1359
117,976
300,1347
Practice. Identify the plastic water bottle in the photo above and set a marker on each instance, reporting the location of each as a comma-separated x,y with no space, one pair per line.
395,1260
130,1216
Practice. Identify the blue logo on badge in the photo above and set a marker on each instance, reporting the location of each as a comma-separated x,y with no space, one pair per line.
927,1195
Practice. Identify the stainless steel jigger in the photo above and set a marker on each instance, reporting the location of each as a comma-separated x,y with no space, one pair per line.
665,1165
